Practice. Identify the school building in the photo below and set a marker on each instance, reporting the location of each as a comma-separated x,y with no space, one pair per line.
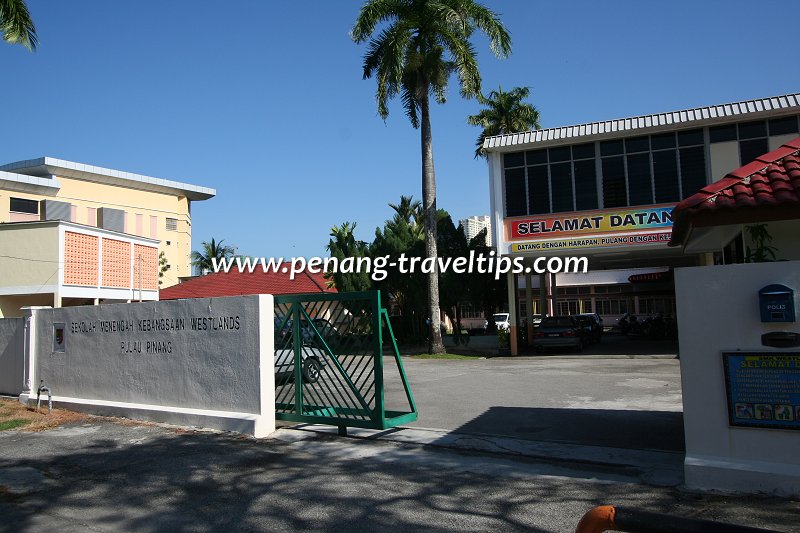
77,234
606,191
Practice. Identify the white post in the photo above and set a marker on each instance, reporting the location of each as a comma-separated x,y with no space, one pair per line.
29,353
265,421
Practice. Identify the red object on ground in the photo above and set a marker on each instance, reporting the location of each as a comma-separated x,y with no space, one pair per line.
597,520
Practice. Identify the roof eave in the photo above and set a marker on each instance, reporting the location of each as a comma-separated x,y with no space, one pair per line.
48,166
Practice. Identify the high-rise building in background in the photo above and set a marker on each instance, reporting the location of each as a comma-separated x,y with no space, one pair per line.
473,225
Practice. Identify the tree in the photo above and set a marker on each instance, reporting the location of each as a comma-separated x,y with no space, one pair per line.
17,25
505,112
203,260
163,266
341,245
424,43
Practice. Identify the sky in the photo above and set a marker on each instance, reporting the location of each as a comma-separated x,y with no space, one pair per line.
264,100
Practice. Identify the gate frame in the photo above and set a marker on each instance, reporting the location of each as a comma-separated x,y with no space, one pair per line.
380,418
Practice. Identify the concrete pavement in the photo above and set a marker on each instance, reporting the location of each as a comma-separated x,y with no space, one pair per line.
105,476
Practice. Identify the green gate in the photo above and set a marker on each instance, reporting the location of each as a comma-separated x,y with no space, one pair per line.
329,362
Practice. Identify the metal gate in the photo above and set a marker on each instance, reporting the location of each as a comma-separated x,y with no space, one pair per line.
329,362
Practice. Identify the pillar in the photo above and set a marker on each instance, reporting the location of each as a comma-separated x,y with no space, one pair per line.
529,305
512,313
543,310
553,295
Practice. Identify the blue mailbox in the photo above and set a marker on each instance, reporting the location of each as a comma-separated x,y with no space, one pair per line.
776,303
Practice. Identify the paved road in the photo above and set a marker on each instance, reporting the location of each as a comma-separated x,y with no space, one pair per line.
109,477
624,403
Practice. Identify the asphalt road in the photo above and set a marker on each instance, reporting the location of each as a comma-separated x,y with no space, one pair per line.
109,477
623,403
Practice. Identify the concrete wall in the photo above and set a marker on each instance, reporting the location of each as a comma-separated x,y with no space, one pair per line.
718,311
29,256
202,361
11,355
784,239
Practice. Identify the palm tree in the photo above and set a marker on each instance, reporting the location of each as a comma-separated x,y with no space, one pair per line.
203,260
16,24
505,113
423,44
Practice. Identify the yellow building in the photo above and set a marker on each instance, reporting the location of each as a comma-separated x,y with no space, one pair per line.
79,207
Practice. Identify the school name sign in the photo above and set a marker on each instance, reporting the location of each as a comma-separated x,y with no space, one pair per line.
635,226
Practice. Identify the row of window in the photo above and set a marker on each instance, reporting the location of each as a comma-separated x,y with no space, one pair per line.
607,306
659,168
31,207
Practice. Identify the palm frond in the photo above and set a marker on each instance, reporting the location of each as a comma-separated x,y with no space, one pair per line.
17,25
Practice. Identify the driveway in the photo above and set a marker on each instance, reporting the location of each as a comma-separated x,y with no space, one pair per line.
622,403
102,476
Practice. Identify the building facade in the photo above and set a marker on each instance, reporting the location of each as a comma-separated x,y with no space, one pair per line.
89,210
475,224
606,190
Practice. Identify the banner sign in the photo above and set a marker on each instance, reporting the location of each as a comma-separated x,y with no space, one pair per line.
624,220
586,230
592,242
763,389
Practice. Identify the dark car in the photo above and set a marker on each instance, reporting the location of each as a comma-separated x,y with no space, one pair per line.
559,332
592,324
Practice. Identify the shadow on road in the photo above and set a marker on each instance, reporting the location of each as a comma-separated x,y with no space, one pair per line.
640,430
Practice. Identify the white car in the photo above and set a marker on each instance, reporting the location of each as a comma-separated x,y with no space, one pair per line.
314,360
500,320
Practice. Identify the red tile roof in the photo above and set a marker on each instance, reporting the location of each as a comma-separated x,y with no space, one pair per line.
235,283
752,192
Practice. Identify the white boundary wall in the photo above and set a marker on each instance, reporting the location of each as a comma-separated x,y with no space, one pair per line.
11,348
207,362
718,310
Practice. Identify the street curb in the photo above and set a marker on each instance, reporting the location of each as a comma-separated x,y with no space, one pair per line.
654,467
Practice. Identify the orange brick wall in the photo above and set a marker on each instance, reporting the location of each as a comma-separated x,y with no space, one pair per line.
146,258
81,255
116,263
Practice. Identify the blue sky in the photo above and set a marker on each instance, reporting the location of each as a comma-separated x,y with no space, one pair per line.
264,101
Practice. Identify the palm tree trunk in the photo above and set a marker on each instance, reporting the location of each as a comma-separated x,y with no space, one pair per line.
429,212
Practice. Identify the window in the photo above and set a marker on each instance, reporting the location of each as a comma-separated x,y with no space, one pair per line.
752,148
751,130
722,133
585,184
665,176
783,126
516,159
515,192
614,193
640,184
693,169
538,190
561,180
23,205
611,306
172,224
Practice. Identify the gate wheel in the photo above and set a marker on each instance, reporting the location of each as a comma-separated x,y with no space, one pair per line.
311,369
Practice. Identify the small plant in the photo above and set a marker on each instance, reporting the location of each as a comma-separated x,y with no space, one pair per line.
162,267
503,338
761,252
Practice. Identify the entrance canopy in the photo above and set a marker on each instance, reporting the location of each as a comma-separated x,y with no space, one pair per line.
765,190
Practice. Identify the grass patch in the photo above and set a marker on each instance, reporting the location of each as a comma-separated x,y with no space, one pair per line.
15,415
445,356
13,424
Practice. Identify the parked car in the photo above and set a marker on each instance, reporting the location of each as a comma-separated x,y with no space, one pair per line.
314,361
593,325
559,332
500,320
